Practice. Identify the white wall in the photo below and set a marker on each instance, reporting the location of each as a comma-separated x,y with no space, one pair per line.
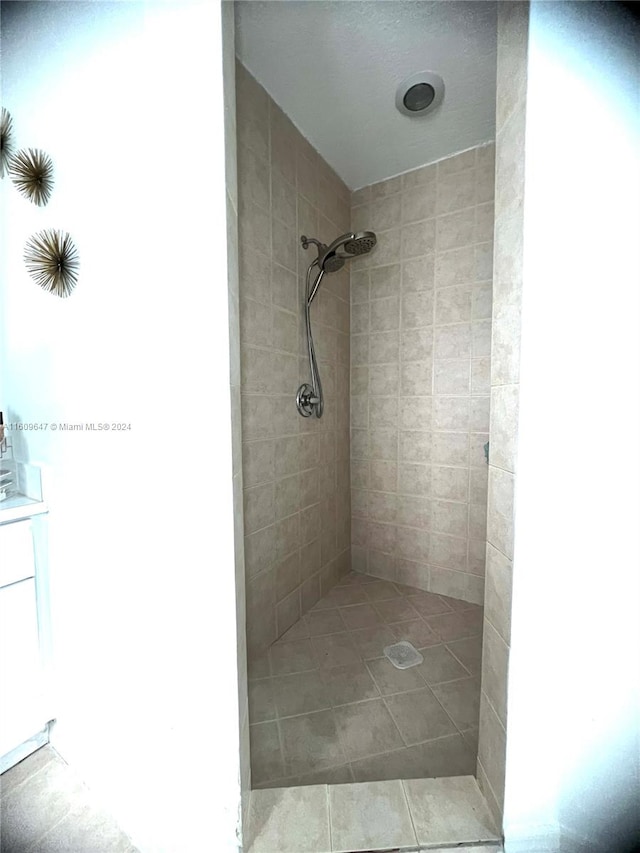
572,736
127,100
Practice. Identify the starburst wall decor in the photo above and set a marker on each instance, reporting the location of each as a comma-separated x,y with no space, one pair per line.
6,140
52,261
31,171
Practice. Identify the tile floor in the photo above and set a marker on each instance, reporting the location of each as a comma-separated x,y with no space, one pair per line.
412,814
326,706
45,808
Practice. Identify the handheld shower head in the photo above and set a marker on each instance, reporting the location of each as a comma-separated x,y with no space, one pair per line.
357,243
331,260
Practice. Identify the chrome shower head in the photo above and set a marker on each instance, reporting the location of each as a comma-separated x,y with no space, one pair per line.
360,243
332,263
329,257
329,260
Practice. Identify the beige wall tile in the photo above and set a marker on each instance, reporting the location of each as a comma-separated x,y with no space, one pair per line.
479,414
418,238
385,188
417,205
414,412
458,162
399,358
452,341
453,305
259,507
413,511
456,584
495,662
418,274
424,177
416,378
449,483
385,212
450,448
383,379
480,376
414,446
414,479
492,749
455,191
449,517
476,556
417,310
383,411
383,443
456,229
253,177
385,281
498,592
449,552
450,413
504,424
382,506
259,550
500,510
383,475
258,462
284,189
416,344
385,314
252,112
451,376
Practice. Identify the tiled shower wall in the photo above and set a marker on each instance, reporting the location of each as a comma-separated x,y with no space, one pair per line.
420,375
295,470
513,32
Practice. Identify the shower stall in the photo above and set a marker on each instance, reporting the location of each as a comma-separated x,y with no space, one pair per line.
365,407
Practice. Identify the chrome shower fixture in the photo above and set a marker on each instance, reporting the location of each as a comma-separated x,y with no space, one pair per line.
330,259
310,399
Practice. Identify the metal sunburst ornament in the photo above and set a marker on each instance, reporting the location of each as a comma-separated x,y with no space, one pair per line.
6,140
52,261
31,171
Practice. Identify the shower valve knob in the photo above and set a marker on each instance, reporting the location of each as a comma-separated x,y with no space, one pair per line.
306,400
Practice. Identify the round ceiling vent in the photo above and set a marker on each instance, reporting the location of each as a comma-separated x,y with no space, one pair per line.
420,94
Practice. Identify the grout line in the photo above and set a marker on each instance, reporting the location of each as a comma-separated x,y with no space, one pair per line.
458,659
406,799
493,793
394,719
329,818
490,703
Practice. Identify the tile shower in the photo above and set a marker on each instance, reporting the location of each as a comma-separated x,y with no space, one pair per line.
368,525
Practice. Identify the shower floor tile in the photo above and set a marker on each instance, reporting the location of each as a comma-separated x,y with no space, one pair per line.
325,705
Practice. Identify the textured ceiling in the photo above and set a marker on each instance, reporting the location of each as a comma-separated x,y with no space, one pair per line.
334,67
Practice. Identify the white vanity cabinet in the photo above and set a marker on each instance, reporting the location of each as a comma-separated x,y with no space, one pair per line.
24,714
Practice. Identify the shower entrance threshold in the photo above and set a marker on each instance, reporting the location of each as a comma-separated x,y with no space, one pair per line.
392,815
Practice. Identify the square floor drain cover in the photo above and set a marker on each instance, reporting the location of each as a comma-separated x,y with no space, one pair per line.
403,655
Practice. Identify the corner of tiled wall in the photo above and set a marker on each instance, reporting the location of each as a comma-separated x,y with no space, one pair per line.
505,371
231,182
295,470
420,375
